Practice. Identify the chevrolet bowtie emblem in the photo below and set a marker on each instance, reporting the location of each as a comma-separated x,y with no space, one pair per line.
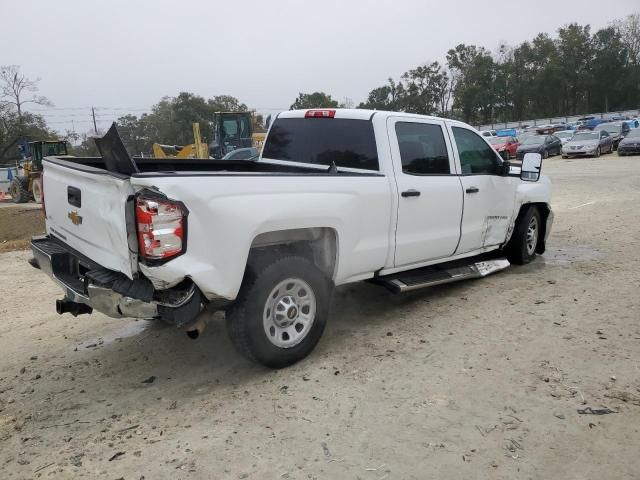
75,218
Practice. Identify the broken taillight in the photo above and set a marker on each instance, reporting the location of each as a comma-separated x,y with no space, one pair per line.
161,225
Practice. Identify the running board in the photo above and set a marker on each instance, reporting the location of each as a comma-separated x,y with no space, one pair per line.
439,274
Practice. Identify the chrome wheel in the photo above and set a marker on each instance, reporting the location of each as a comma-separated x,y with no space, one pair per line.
289,312
532,235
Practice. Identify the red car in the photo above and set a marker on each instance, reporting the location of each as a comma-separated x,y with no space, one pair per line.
505,146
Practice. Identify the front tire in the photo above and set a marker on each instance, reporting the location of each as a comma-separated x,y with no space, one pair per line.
545,154
522,246
281,311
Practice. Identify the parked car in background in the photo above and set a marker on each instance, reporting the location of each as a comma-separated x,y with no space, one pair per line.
617,131
524,134
505,146
249,153
590,124
488,133
507,132
564,135
633,123
545,145
588,143
630,144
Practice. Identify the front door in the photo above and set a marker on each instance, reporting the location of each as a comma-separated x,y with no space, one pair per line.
489,198
430,193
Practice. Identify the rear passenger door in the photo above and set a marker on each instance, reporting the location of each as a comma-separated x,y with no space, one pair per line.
489,198
430,193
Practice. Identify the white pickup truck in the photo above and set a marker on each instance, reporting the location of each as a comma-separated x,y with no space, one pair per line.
337,196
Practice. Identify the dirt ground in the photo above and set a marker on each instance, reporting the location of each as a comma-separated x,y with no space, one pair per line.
475,380
18,222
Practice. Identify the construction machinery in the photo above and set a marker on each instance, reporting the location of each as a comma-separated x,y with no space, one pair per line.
29,184
198,149
231,131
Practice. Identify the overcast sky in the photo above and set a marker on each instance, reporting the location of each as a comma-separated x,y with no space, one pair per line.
124,55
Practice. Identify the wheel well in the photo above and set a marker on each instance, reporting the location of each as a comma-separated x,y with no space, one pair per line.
318,245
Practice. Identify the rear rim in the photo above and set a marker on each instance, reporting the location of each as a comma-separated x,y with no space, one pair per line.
289,313
532,235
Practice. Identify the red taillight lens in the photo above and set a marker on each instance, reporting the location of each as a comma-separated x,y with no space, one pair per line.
161,228
320,114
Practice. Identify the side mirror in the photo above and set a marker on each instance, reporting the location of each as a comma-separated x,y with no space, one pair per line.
505,168
531,166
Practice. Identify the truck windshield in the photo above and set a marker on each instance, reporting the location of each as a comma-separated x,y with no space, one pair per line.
321,141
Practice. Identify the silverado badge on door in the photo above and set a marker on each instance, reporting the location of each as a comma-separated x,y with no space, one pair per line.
75,218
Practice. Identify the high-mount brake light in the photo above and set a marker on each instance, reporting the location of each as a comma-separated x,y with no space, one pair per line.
161,225
320,114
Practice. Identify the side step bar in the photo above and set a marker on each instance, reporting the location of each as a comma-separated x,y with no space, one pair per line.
437,275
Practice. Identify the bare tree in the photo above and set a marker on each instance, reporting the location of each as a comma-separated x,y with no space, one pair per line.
17,90
629,28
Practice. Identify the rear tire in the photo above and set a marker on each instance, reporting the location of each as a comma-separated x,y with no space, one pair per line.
281,311
19,190
36,189
521,248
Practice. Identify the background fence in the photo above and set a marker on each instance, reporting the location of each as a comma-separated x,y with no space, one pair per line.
548,120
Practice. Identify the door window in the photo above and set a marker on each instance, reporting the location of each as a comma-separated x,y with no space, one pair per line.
423,150
476,157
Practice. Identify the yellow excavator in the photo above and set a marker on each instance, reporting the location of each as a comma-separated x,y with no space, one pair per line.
231,131
198,149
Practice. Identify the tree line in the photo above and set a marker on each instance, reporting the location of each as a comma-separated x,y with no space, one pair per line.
577,71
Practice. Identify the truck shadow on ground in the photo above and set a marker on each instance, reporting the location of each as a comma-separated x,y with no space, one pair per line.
140,349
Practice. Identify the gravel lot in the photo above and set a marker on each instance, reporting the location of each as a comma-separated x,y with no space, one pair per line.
481,380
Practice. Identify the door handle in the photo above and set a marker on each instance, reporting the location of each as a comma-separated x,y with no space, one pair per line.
472,190
410,193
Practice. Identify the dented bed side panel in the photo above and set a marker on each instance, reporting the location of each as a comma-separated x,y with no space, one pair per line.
227,214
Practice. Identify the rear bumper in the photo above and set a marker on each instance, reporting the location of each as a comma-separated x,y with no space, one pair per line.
112,293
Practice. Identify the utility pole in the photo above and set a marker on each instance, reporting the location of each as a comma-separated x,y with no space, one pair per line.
93,114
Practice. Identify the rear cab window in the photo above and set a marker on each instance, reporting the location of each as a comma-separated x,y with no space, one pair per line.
349,143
